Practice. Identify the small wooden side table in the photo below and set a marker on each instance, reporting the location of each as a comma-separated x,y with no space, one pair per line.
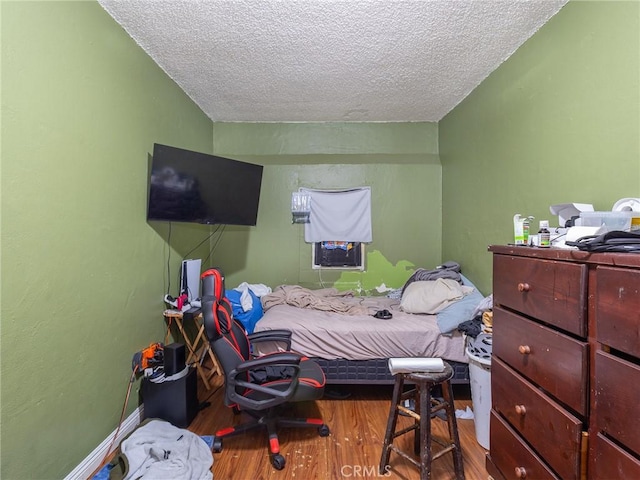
198,347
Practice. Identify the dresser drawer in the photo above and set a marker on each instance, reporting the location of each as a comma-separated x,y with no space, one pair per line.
607,460
550,359
618,308
553,432
515,459
617,396
554,292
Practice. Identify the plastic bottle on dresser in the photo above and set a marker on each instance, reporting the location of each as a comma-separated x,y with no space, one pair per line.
544,236
525,230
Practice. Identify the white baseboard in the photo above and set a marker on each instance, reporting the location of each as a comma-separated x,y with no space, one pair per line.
89,465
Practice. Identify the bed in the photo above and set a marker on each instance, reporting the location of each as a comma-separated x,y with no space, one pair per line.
352,346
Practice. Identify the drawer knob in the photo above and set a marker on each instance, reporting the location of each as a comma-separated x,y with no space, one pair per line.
521,410
524,349
523,287
521,472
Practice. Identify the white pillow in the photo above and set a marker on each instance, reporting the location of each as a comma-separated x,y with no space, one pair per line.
431,296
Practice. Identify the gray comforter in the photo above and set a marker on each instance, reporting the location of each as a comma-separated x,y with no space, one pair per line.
334,334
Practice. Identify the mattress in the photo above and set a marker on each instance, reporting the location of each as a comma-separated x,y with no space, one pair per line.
330,335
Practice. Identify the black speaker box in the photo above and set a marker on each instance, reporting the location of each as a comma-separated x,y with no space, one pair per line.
173,358
174,401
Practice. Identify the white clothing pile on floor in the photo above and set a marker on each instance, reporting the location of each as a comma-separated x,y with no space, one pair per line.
158,450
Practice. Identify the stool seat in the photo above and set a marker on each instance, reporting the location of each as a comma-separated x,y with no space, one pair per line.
426,405
431,377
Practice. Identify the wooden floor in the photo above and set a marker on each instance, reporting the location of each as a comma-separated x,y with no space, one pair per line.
353,449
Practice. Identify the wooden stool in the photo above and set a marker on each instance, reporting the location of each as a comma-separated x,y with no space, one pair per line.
426,405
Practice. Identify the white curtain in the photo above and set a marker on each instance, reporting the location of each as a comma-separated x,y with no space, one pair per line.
339,215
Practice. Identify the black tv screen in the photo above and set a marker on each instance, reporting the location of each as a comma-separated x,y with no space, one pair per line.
188,186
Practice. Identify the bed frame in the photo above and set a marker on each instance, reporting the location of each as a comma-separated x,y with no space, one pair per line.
372,365
376,371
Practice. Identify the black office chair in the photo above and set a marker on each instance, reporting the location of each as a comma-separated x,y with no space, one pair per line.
257,385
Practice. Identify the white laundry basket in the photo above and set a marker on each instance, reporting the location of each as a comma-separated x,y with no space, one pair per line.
479,353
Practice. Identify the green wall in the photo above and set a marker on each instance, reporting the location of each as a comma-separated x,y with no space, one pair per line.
398,161
83,274
558,122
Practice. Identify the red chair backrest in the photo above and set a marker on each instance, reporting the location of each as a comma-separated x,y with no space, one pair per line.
227,337
215,305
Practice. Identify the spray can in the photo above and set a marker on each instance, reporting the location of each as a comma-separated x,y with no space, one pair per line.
544,236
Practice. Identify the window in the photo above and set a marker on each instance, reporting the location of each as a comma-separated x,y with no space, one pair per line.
338,255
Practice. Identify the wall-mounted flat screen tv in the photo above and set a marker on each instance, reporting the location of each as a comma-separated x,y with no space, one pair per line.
188,186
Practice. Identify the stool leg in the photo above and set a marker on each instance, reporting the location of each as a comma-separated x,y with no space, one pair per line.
425,431
391,424
458,464
417,436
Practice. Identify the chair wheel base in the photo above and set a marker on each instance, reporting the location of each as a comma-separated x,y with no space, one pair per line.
278,461
323,431
217,445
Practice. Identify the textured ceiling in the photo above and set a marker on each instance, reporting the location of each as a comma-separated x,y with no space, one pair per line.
331,60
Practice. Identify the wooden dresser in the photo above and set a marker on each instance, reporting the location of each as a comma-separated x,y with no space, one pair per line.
565,372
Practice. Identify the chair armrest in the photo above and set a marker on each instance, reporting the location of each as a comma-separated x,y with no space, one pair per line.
278,359
283,336
276,397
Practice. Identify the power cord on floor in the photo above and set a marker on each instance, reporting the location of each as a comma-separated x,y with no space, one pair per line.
124,409
206,403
